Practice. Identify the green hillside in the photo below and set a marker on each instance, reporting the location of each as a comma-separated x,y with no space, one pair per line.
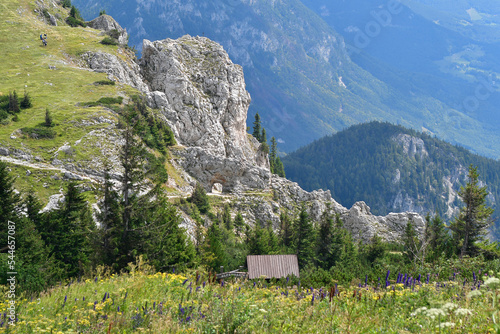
56,79
366,163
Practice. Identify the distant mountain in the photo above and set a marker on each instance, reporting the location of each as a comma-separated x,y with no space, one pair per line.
438,48
392,169
298,72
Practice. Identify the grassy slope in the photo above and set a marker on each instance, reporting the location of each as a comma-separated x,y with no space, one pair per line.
28,65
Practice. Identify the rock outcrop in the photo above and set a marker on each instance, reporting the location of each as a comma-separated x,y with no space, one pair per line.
116,68
202,94
109,27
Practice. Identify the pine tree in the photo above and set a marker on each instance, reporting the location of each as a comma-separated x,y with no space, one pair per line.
303,239
9,200
286,231
165,241
239,223
13,103
263,136
226,218
48,118
199,198
257,128
273,153
215,248
111,230
324,244
259,241
278,167
69,232
26,101
474,218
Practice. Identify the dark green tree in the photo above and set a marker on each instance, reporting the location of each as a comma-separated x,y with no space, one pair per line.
48,118
278,167
257,128
439,239
303,238
259,241
9,201
286,232
13,103
375,249
263,136
69,232
226,218
215,248
273,154
199,198
26,101
474,218
166,244
239,223
324,243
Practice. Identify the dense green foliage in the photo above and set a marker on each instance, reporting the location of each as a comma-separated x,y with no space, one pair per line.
368,162
471,225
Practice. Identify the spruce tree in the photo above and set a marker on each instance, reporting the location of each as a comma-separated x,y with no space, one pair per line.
166,243
199,198
26,101
273,153
259,241
9,200
279,169
263,136
226,218
286,232
48,118
13,103
474,218
324,242
257,128
215,248
239,223
303,239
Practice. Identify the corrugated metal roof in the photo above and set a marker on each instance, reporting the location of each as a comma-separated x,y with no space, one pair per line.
276,266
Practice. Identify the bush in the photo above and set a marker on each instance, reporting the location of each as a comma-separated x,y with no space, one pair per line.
109,41
39,133
73,22
105,82
3,115
105,101
66,3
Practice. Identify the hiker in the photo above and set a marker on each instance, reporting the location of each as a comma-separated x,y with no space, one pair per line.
44,39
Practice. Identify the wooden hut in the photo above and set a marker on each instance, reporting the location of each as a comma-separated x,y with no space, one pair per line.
272,266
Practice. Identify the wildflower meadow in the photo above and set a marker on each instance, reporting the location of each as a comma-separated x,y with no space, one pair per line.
142,301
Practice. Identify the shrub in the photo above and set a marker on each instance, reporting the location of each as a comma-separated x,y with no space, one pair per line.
3,115
73,22
39,133
109,41
66,3
105,82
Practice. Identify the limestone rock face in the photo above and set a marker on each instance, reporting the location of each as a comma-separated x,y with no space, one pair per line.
109,26
116,68
202,94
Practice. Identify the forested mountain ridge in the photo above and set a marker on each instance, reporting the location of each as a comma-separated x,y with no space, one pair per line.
391,168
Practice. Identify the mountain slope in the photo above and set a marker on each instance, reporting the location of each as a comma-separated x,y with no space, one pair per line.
297,70
391,168
412,52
